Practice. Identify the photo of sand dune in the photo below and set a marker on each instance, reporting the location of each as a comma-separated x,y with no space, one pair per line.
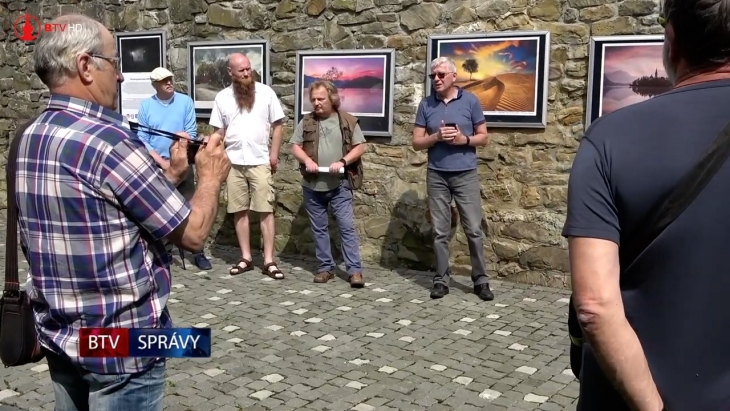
502,73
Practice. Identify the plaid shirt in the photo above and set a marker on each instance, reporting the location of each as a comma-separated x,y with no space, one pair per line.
92,210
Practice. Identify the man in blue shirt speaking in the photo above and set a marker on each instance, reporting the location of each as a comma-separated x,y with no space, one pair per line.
169,111
450,124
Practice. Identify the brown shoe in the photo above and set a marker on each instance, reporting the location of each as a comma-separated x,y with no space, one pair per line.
356,281
323,277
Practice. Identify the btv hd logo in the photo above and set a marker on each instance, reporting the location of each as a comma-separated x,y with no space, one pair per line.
28,27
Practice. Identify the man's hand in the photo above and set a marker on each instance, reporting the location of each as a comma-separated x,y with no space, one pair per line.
335,167
274,161
459,138
184,135
212,162
178,164
311,166
446,134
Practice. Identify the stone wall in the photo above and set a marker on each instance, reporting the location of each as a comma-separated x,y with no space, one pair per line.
524,173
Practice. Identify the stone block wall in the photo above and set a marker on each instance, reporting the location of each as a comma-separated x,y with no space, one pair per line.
524,172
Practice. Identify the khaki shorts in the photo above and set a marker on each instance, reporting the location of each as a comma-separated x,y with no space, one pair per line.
251,188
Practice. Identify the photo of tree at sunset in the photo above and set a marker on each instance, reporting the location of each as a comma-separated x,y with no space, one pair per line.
502,73
360,81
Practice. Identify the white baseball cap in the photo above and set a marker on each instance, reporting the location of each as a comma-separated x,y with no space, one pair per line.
160,73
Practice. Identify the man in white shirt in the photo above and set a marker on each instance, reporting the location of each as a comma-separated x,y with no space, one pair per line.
246,114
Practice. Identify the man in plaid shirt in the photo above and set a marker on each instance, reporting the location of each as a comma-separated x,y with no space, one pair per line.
93,212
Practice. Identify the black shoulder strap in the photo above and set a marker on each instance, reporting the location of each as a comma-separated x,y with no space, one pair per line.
12,283
683,194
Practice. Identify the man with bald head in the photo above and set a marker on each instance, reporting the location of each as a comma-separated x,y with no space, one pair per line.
94,213
248,116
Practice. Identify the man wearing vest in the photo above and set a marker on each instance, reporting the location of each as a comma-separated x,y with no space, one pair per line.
330,138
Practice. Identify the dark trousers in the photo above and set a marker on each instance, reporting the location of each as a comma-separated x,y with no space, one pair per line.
463,187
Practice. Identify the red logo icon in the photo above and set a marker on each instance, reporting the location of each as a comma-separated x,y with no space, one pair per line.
27,27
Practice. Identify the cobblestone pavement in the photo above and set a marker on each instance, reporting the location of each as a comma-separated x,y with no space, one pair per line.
296,345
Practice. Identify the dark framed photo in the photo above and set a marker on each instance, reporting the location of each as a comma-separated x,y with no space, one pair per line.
140,52
624,70
208,68
507,71
364,80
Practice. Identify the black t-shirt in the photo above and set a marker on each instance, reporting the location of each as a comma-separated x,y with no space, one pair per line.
679,300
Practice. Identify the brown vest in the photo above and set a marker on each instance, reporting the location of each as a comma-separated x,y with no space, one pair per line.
310,145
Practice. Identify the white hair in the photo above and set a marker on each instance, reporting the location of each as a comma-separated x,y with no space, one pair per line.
440,61
54,57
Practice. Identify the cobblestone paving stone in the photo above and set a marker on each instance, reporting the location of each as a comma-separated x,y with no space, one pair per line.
296,345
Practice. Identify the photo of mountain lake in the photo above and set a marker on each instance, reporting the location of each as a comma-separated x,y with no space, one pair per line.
632,73
360,81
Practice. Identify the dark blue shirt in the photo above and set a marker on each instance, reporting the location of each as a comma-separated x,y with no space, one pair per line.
466,112
675,295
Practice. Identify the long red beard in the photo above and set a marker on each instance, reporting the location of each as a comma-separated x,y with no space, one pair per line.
245,92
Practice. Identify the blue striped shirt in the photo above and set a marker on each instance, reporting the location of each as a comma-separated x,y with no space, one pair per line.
92,210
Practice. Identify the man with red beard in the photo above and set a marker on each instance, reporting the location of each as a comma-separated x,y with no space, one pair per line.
246,115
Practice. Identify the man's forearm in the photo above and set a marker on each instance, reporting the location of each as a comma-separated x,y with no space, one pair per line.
299,154
204,209
277,137
479,139
422,143
621,357
355,153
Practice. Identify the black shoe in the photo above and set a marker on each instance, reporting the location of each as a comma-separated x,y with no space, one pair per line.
484,292
439,290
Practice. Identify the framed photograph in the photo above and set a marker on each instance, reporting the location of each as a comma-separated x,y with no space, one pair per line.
507,71
208,68
623,70
140,52
364,79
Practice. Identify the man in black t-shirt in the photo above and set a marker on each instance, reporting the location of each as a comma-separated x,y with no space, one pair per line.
657,333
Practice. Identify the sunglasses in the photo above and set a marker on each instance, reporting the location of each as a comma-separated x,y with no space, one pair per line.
439,75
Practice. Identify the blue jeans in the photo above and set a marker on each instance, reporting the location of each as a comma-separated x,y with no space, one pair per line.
78,390
316,203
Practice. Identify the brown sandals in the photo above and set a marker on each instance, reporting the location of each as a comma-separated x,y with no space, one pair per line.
271,269
274,273
240,269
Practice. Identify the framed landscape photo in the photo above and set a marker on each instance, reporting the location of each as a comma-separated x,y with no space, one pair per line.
364,80
208,68
507,71
624,70
140,52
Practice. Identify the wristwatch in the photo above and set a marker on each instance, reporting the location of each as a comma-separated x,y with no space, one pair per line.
342,160
468,140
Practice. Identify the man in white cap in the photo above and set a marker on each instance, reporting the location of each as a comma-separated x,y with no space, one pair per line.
174,112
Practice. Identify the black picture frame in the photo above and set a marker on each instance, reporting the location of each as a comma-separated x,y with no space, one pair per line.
140,52
632,54
257,50
376,118
504,105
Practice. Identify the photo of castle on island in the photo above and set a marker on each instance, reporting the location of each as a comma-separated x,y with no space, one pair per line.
631,74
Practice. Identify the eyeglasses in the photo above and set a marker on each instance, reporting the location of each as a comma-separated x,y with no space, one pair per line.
439,75
114,61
